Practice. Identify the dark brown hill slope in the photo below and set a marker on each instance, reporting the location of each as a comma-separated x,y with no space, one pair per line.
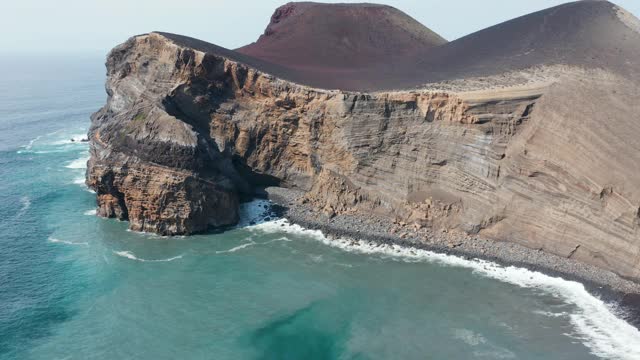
592,34
333,37
399,53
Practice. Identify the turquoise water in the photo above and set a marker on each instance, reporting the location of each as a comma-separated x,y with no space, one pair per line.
73,286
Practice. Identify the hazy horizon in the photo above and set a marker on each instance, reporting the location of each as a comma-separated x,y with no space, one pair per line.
79,27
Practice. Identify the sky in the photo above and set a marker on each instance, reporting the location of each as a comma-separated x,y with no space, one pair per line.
96,26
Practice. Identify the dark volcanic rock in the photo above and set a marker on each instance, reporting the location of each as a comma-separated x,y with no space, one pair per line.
631,303
328,38
327,46
583,33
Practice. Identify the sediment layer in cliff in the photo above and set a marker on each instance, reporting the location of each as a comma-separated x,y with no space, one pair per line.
543,153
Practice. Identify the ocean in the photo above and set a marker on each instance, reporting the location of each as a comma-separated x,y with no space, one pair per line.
74,286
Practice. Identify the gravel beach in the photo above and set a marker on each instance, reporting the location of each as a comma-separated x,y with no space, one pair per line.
602,283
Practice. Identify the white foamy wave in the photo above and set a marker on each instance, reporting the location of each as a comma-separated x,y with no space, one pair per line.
249,243
153,235
254,212
551,314
29,146
45,147
58,241
130,255
469,337
283,226
90,212
276,240
26,204
126,254
50,151
239,247
55,132
73,139
596,323
80,163
51,143
79,180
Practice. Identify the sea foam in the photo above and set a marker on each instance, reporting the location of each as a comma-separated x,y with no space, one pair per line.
239,247
29,146
48,146
130,255
255,212
80,163
79,139
596,323
25,201
58,241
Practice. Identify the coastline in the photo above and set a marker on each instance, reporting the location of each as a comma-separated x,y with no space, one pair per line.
601,283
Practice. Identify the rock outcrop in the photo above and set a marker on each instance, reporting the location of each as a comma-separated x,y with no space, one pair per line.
548,157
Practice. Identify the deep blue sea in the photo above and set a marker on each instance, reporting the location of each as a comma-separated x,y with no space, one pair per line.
74,286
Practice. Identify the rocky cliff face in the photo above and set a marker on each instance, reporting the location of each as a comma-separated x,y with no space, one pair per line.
148,165
185,134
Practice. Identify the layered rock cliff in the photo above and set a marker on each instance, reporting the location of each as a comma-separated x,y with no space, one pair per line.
548,158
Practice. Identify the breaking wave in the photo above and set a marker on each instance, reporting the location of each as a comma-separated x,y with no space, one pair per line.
597,324
25,201
130,255
234,249
46,145
58,241
73,139
251,243
29,146
255,212
80,163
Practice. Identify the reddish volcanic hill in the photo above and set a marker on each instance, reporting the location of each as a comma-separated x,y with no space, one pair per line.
335,37
373,47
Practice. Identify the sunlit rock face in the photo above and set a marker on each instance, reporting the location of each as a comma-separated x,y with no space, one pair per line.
546,155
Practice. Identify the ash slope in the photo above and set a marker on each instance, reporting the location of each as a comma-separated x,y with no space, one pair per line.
335,46
591,34
337,37
190,128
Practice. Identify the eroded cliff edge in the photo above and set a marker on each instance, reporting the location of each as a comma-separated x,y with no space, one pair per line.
186,134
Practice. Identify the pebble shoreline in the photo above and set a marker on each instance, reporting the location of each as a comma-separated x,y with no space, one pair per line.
601,283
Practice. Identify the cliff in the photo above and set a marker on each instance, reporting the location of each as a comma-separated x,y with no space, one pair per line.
544,153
